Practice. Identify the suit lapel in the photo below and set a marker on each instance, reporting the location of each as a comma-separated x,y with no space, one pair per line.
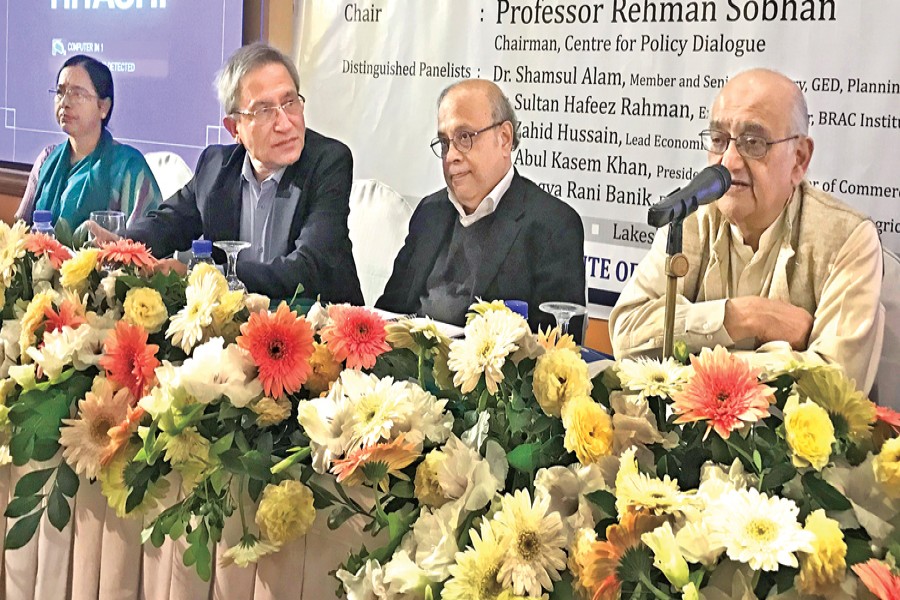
504,230
226,196
440,224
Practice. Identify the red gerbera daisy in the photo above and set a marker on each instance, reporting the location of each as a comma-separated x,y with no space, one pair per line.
127,252
128,359
877,576
355,335
70,314
723,390
41,244
889,416
280,344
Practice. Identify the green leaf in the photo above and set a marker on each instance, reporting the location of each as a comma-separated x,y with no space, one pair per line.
256,465
322,497
403,489
58,510
255,488
339,516
33,482
22,506
45,449
604,500
824,493
22,532
777,477
67,480
21,447
523,458
858,550
223,443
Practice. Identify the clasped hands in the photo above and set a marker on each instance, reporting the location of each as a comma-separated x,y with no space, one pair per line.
767,320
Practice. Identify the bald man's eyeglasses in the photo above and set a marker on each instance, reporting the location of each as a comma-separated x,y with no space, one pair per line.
462,141
748,145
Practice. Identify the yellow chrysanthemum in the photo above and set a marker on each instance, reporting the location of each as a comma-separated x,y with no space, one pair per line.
270,411
428,490
144,306
75,271
32,319
887,467
12,248
809,433
589,431
206,270
286,511
822,570
230,303
482,307
552,339
325,370
186,446
829,388
559,376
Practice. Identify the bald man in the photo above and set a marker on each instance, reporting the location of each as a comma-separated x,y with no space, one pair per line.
490,233
775,265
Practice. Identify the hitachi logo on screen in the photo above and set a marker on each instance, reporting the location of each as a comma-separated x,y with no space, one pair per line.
114,4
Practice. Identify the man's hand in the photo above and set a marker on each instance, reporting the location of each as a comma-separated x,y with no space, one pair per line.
98,235
767,320
167,265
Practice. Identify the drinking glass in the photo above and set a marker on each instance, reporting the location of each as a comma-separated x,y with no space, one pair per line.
231,248
111,220
563,312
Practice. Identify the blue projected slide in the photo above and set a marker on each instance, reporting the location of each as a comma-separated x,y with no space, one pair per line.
163,55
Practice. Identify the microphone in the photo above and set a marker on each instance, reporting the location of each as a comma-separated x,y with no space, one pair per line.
708,186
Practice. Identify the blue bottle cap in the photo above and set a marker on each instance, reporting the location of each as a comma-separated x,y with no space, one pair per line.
201,247
42,216
517,306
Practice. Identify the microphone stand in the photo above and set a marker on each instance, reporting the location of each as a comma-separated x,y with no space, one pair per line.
676,267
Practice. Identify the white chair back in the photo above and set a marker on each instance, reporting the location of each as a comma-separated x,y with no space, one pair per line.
378,223
887,382
170,171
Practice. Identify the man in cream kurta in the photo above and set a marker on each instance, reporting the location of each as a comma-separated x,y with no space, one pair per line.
775,265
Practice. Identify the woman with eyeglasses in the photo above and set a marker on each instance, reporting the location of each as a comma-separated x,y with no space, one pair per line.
90,171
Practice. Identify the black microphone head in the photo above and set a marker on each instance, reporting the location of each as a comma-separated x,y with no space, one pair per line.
724,174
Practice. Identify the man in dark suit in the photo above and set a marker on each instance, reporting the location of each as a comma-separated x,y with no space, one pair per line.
283,188
490,233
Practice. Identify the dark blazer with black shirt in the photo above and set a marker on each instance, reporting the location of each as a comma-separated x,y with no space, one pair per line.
535,253
209,205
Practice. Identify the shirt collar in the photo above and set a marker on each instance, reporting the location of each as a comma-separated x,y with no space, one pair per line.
488,205
250,177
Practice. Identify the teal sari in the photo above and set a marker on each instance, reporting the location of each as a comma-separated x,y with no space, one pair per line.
113,177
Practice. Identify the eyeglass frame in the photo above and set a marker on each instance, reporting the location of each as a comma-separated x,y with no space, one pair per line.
439,141
254,114
78,94
705,133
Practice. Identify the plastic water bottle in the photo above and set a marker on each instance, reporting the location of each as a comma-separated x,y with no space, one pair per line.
519,307
41,223
202,253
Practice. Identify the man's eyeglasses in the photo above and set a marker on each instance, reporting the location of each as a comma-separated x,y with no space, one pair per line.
76,94
267,114
462,141
748,145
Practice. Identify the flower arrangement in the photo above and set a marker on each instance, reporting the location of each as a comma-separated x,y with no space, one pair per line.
493,466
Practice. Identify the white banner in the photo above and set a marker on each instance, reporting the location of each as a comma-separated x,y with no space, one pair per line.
611,95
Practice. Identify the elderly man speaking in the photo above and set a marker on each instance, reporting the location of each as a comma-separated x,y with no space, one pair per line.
775,265
283,188
490,233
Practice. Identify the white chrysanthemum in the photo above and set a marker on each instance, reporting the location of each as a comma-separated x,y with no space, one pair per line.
380,407
186,328
12,248
567,488
85,439
434,534
535,540
759,530
366,584
214,370
647,377
637,490
428,417
247,552
465,476
490,339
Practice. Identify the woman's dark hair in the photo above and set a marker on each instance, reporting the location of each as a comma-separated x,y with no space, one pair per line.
100,77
